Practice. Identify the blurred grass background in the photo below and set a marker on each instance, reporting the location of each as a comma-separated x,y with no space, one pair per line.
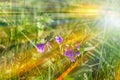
24,23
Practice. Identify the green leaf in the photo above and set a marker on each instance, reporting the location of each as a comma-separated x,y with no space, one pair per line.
89,48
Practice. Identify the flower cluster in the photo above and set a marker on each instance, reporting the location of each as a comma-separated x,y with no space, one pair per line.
41,47
71,54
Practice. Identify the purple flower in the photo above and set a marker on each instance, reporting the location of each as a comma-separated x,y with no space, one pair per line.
72,59
59,39
69,53
41,47
77,53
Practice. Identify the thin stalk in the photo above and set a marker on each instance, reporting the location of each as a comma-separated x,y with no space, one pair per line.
49,72
28,39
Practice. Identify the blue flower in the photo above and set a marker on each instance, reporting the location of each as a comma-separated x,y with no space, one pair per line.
59,40
40,47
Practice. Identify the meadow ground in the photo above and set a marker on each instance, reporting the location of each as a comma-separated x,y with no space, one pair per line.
59,40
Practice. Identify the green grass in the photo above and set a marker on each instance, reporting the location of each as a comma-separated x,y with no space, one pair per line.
19,33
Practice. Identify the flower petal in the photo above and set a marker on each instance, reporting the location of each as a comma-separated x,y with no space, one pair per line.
59,39
72,59
78,47
69,53
40,47
77,53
